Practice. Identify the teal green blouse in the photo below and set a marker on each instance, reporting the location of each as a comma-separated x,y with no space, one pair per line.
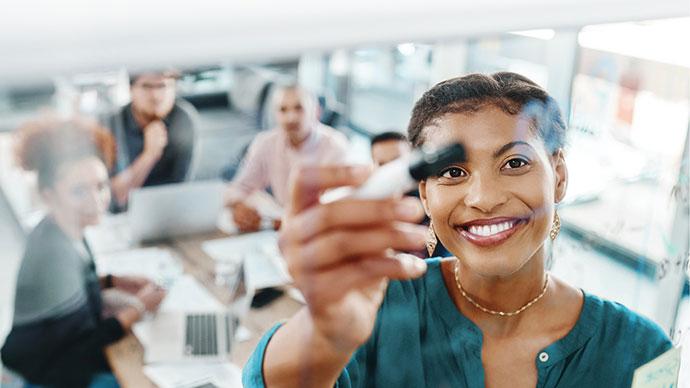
422,340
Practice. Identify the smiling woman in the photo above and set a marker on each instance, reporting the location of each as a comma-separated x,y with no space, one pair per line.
491,316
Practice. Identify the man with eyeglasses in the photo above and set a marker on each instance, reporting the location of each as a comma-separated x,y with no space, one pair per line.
155,136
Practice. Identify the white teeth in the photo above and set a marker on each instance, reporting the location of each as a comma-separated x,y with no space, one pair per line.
489,230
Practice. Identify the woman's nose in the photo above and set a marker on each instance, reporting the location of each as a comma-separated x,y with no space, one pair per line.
484,194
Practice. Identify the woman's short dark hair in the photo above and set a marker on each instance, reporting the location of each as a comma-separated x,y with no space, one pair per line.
44,145
510,92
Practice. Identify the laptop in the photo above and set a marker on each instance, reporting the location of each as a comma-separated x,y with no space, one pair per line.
162,212
200,335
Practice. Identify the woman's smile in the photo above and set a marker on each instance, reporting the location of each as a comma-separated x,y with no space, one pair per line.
491,231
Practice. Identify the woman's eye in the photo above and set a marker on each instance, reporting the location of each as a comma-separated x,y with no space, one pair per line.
452,172
515,163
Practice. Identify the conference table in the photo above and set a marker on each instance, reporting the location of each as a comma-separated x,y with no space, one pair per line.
126,357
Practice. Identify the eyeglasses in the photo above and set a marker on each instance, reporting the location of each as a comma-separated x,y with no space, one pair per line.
151,86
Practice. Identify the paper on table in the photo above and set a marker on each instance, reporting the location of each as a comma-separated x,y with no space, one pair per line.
155,263
235,248
188,295
266,269
111,235
662,372
194,374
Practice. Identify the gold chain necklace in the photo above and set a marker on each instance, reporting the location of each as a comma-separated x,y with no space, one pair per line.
501,313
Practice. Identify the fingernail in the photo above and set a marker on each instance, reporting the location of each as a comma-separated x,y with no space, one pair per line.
420,265
407,208
413,264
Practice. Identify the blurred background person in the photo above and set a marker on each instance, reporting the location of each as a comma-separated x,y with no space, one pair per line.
58,333
298,139
388,146
155,136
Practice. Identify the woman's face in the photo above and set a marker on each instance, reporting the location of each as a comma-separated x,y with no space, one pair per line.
495,210
81,192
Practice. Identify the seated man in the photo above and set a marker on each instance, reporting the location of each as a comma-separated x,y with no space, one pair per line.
298,139
155,136
391,145
388,146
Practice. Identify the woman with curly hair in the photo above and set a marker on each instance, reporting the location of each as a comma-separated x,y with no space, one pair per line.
59,332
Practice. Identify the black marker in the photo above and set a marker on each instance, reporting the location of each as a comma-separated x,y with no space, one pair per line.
402,175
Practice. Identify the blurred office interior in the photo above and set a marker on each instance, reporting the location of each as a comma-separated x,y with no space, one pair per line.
620,73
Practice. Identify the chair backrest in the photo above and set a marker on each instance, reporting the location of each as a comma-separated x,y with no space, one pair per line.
247,88
195,120
331,112
252,90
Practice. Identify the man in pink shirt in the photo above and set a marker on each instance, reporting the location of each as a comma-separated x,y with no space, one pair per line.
298,139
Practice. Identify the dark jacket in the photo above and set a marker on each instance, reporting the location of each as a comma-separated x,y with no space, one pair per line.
58,334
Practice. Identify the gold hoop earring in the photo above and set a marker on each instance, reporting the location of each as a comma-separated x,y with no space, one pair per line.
555,227
431,240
